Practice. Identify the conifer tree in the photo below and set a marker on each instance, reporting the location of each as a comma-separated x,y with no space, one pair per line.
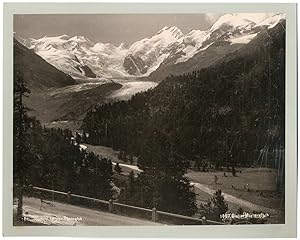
21,130
214,207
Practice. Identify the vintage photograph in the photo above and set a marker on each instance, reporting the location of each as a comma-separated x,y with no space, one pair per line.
149,119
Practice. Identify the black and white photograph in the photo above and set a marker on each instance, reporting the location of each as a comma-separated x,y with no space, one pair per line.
151,119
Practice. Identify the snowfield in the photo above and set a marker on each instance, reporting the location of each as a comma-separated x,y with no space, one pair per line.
244,39
71,54
154,50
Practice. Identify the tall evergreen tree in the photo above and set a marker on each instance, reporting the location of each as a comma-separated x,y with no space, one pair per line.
21,147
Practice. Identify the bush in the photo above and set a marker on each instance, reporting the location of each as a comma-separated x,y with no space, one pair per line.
214,207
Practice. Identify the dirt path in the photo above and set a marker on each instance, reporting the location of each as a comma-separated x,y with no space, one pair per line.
232,199
66,214
111,154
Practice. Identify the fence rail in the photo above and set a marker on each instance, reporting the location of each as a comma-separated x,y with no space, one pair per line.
134,211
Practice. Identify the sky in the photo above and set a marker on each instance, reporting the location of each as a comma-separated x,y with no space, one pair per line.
108,28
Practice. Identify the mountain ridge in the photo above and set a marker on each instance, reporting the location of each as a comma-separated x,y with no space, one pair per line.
146,56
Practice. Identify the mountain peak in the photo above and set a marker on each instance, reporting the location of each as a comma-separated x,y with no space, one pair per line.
171,29
64,36
123,46
79,39
272,20
232,19
240,20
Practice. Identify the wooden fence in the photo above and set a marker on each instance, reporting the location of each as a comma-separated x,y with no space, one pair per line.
128,210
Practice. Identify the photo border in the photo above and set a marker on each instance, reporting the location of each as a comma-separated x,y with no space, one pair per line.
266,230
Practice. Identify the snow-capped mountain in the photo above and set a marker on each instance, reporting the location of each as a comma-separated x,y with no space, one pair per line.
146,55
171,45
201,49
235,28
236,25
80,57
271,21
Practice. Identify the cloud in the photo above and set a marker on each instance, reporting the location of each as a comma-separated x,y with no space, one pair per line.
212,17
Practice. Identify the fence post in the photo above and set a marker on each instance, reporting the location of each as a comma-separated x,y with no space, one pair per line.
110,205
69,194
204,220
154,215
